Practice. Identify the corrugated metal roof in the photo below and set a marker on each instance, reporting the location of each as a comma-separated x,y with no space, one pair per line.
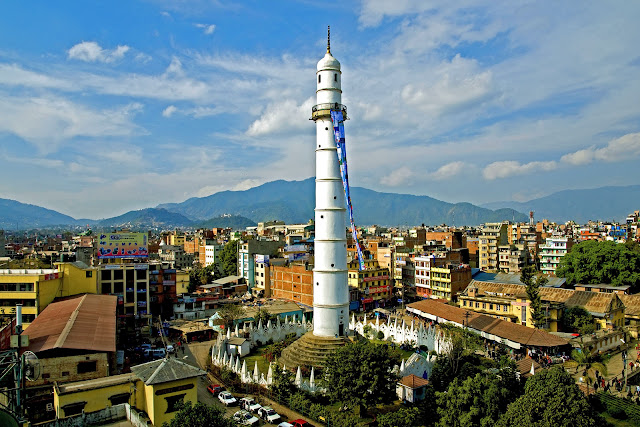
82,322
165,370
514,279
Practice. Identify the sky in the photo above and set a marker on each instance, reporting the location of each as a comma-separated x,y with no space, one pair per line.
107,107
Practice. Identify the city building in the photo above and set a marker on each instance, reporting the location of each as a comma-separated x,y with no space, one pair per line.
512,257
246,256
552,252
439,278
493,235
373,283
293,282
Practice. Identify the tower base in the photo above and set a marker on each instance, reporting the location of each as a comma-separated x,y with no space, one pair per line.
310,350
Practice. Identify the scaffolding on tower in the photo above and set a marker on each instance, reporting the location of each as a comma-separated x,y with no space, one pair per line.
338,133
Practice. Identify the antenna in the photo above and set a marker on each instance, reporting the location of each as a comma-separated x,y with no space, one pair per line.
31,365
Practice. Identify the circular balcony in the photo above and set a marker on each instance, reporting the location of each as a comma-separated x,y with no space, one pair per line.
324,110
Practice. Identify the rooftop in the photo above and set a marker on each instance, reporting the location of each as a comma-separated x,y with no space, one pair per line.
413,381
514,279
165,370
81,322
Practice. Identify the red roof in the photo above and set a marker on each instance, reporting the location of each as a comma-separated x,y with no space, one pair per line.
82,322
490,325
413,381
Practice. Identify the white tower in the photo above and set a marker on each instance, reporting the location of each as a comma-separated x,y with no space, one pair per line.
330,288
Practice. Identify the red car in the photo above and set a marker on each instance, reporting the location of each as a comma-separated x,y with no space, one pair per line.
214,388
300,423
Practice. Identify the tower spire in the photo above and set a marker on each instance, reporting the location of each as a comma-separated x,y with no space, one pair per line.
329,39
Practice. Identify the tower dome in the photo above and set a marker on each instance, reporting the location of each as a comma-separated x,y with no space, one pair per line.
328,63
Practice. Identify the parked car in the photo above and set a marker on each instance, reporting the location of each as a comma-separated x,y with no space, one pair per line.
227,398
155,353
285,424
268,414
300,423
170,348
250,404
245,418
214,389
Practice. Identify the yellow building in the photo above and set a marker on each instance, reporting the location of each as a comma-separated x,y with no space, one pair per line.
182,282
155,388
510,302
36,288
373,282
493,235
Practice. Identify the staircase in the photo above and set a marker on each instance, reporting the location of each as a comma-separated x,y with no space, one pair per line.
310,350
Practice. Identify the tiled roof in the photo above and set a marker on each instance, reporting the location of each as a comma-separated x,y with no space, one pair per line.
165,370
413,381
82,322
514,279
490,325
593,302
631,304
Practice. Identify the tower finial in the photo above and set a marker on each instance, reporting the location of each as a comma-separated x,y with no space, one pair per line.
329,39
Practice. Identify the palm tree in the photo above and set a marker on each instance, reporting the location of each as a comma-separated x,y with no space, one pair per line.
590,361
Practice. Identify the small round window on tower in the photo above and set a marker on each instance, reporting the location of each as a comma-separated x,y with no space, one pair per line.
332,265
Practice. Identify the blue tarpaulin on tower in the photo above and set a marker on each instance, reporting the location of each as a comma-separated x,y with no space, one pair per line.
338,132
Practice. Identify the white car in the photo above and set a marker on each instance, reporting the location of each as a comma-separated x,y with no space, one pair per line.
268,414
285,424
227,398
250,404
245,418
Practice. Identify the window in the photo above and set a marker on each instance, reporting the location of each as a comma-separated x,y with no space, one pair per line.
88,274
172,402
65,373
335,77
84,367
319,78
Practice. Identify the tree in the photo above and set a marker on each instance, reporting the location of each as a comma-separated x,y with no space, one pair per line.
282,386
229,313
593,262
459,361
533,293
577,319
475,401
551,399
403,417
229,258
591,362
264,315
199,415
360,373
199,276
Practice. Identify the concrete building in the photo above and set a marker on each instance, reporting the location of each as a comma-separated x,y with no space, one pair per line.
493,235
439,278
293,282
246,256
373,283
552,252
512,257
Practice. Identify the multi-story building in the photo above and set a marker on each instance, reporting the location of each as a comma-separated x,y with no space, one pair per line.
493,235
440,278
373,283
262,280
512,258
35,289
246,256
552,252
510,302
175,256
293,282
210,253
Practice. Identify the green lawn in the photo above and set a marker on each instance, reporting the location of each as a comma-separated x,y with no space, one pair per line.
256,355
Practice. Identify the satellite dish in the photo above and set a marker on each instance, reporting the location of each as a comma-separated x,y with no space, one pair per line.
31,365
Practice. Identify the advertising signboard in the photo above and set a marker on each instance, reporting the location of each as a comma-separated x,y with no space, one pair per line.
123,245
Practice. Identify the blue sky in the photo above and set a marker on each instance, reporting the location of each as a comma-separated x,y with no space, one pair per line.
111,106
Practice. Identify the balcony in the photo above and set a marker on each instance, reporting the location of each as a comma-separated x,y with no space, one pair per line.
324,110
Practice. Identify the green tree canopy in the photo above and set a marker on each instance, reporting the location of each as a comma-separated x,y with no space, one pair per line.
199,415
593,262
475,401
229,258
403,417
459,362
577,319
533,282
230,312
282,385
360,374
551,399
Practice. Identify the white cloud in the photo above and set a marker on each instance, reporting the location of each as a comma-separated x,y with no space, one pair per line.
510,168
282,117
624,148
15,75
92,52
47,121
168,112
398,177
456,85
448,171
206,28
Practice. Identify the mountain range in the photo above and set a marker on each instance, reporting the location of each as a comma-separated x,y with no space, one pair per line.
294,201
581,206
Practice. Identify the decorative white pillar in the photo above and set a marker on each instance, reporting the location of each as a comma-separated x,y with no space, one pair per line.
330,289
